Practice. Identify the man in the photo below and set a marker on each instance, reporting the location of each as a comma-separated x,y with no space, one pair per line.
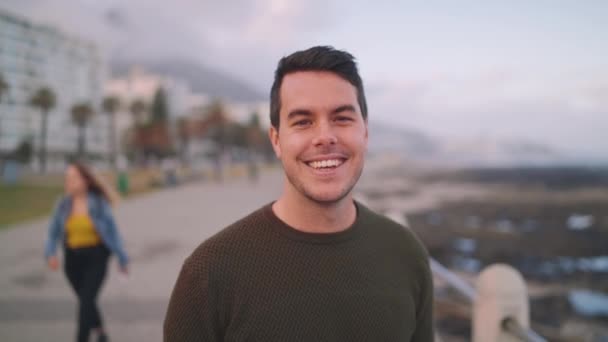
315,265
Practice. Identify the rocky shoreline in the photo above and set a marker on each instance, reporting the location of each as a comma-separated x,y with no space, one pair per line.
554,233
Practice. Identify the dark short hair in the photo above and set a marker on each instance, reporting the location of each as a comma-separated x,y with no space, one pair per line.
317,58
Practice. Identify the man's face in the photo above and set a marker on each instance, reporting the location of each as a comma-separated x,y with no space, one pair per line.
322,139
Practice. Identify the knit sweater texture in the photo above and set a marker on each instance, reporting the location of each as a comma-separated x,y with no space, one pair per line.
262,280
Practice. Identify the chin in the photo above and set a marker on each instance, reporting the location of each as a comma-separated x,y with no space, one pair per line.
325,197
324,193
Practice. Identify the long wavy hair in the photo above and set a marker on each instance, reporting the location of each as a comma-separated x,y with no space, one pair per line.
93,183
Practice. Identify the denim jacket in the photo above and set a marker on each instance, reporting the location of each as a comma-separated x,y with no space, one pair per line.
103,220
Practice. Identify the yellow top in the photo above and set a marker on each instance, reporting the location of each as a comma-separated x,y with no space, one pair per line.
81,232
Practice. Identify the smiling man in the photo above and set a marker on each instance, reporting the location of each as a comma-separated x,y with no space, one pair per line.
314,265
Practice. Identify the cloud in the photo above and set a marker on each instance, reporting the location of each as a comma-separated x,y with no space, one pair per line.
567,112
434,69
497,91
241,37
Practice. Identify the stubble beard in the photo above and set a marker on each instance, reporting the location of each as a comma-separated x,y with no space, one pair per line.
300,187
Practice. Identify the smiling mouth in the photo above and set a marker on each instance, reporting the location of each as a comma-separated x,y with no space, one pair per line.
325,164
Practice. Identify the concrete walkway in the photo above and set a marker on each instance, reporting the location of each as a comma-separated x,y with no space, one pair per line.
160,230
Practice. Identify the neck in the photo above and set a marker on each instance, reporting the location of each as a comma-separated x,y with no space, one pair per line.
306,215
79,196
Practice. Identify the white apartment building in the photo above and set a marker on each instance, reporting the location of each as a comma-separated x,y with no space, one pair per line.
241,112
34,56
139,84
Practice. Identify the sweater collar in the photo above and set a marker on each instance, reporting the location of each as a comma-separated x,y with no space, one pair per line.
314,238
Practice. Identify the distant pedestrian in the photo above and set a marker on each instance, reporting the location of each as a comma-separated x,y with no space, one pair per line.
169,168
84,224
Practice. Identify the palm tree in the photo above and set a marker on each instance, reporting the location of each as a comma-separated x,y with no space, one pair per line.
3,90
110,106
81,115
254,132
217,116
3,87
45,100
160,108
184,133
218,119
138,108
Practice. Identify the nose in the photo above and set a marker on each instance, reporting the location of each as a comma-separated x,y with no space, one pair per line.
324,135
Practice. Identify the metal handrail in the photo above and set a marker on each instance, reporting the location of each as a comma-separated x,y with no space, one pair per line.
512,326
464,288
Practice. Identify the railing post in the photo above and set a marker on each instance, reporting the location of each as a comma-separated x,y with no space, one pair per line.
501,294
501,311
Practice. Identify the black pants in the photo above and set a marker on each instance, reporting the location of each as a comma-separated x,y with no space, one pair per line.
85,268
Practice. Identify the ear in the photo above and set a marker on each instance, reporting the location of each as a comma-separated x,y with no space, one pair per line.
273,134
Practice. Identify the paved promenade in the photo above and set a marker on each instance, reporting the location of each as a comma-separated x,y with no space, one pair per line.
160,230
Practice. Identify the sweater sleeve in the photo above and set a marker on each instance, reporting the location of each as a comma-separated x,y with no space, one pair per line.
424,313
192,313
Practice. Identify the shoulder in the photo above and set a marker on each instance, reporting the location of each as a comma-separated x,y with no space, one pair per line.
393,233
231,240
61,203
61,200
401,242
98,202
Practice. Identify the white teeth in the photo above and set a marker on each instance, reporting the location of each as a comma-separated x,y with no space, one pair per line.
325,163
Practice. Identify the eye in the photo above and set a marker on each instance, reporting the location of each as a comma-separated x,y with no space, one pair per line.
343,119
302,123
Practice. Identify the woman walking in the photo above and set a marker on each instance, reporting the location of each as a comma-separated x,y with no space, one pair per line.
83,223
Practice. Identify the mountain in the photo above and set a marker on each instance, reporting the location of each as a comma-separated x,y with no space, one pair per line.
200,78
416,146
477,151
406,142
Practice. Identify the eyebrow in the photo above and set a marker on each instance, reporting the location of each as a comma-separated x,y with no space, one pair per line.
344,108
298,112
307,112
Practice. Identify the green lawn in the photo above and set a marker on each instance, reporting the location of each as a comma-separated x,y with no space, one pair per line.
23,202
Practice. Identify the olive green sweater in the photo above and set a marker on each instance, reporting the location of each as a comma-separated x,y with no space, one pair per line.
262,280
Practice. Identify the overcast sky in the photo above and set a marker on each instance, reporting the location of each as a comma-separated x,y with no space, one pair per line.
531,70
